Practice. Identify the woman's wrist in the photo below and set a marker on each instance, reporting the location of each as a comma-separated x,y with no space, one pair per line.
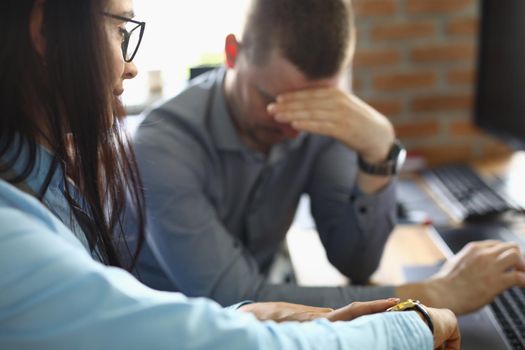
415,305
425,316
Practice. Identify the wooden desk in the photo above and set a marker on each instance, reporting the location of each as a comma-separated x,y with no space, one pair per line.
409,245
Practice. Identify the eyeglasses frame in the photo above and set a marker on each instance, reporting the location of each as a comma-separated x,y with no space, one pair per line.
125,43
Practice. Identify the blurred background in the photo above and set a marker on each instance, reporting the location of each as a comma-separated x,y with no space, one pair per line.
415,63
179,35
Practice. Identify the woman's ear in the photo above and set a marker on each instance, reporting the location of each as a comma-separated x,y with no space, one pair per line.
35,27
231,49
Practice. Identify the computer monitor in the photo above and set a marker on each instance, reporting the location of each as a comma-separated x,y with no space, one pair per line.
500,90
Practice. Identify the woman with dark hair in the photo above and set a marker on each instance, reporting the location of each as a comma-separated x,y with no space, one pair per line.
66,171
60,115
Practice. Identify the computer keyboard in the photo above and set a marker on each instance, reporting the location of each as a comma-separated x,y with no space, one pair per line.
509,308
464,194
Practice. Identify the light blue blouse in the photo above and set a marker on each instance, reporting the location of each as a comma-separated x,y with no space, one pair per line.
54,295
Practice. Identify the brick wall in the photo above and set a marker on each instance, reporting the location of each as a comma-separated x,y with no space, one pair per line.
415,62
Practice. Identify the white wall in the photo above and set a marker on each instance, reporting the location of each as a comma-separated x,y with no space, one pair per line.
180,34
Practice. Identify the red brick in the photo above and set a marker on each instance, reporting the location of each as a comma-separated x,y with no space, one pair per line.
464,128
387,107
437,6
464,26
447,52
405,30
364,8
442,103
417,130
461,77
374,58
400,81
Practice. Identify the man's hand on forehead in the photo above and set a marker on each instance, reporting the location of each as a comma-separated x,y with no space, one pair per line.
302,101
338,114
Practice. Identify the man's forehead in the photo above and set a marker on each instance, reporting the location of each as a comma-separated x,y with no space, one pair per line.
281,75
278,75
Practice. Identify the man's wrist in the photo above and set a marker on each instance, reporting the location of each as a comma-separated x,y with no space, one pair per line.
429,292
374,159
420,291
377,156
381,145
390,165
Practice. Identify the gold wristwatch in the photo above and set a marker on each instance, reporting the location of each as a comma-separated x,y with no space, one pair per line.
415,305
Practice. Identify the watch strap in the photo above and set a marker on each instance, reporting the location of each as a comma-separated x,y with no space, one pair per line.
423,311
390,166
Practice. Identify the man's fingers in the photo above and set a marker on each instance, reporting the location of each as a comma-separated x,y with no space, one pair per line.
313,114
316,127
500,248
301,105
482,244
513,278
510,258
488,248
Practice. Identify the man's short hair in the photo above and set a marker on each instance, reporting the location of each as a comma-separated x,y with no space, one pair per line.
314,35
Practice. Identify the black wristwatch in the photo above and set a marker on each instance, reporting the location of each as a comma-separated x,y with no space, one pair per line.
391,166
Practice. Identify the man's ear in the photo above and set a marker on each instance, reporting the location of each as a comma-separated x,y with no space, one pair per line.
231,49
35,27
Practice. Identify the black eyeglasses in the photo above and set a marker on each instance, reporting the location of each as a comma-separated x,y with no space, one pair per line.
132,36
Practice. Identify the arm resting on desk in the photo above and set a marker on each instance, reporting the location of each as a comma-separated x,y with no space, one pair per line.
353,226
54,296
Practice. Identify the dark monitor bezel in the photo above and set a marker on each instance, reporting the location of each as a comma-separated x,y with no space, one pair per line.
511,140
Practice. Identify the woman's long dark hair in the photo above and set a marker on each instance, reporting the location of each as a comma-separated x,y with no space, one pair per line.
66,99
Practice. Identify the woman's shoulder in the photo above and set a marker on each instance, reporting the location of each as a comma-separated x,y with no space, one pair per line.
20,212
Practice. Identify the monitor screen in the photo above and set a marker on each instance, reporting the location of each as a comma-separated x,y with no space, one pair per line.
500,95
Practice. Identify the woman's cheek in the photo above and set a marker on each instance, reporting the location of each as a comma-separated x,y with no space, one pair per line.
118,65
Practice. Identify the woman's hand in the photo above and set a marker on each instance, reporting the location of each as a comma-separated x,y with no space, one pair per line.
281,312
361,308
